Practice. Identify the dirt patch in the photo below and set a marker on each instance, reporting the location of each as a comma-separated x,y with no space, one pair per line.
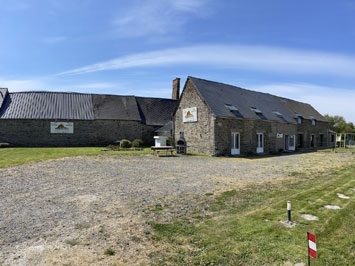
69,211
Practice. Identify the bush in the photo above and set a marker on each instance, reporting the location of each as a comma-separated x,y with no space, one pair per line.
125,143
137,143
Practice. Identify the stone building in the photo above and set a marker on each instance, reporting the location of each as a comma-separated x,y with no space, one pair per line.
76,119
220,119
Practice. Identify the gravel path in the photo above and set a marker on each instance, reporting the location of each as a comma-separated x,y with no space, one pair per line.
68,211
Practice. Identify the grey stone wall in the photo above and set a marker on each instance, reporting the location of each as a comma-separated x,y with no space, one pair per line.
307,130
198,135
248,138
36,133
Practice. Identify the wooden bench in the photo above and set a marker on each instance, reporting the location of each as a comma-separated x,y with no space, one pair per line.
166,149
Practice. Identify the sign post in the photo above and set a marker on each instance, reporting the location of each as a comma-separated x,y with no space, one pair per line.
289,211
312,247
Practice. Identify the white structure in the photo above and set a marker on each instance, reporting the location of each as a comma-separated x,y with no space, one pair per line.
160,141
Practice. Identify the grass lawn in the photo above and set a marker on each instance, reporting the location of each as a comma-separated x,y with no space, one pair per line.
243,228
16,156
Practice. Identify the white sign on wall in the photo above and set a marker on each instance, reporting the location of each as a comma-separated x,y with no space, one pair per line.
62,127
280,135
189,114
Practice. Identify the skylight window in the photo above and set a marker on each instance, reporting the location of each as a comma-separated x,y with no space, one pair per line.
256,110
278,114
298,115
232,108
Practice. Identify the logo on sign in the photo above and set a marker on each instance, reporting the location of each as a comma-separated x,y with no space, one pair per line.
189,114
62,127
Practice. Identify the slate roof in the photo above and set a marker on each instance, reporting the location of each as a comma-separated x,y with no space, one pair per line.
304,109
156,111
78,106
218,95
47,105
168,127
115,107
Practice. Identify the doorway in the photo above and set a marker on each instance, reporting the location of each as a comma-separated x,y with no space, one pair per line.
235,143
260,147
290,143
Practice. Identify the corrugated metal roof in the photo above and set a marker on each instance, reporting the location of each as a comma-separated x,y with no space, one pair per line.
115,107
47,105
156,111
77,106
218,95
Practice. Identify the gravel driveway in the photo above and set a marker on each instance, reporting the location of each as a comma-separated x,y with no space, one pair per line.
69,211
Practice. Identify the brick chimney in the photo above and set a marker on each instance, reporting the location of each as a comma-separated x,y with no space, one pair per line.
176,89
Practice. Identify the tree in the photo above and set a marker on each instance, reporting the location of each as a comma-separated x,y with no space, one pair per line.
339,125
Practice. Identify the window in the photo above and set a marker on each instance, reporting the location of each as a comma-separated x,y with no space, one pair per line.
256,110
299,118
234,110
278,114
313,122
232,107
333,137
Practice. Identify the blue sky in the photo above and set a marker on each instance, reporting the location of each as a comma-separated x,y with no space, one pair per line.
303,50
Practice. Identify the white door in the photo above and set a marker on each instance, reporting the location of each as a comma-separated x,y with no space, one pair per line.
235,143
260,147
292,143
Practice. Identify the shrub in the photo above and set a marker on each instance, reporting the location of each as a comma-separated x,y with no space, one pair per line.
137,143
125,143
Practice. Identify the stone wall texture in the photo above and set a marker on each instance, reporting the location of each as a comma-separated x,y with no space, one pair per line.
248,130
36,133
307,130
198,135
213,136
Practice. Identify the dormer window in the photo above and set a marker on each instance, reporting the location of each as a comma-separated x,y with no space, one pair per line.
299,118
313,120
256,110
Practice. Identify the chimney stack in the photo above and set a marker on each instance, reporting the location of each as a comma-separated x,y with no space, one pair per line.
176,89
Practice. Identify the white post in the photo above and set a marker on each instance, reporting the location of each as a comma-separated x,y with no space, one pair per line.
289,211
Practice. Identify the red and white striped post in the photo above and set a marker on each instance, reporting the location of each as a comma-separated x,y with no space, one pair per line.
312,247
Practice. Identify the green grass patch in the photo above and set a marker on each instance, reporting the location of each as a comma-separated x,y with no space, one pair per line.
17,156
109,252
244,227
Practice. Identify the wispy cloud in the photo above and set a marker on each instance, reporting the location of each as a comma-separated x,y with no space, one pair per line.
327,100
156,16
261,58
54,39
52,84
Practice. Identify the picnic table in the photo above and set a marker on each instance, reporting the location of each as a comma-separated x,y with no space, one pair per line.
167,149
